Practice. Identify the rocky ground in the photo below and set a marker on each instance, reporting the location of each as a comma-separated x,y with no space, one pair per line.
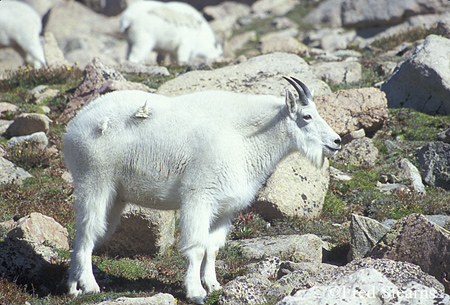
368,228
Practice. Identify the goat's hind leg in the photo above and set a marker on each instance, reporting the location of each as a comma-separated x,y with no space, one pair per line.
217,238
91,226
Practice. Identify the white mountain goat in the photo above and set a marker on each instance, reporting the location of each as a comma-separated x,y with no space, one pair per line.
172,28
206,153
20,27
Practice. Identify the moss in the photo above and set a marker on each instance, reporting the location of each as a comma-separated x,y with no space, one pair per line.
333,205
390,236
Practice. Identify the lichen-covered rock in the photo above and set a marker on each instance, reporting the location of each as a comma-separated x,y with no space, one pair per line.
364,234
246,289
295,189
359,152
27,256
416,240
349,110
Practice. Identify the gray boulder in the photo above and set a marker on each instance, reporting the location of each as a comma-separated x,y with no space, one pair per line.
281,44
28,123
7,107
273,7
142,231
259,75
421,81
246,289
330,39
397,272
297,248
359,152
444,136
410,171
369,13
434,160
54,56
157,299
27,255
71,20
416,240
255,287
11,173
422,22
38,138
364,234
343,72
42,93
366,286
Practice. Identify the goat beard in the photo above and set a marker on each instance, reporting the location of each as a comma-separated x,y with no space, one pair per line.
316,156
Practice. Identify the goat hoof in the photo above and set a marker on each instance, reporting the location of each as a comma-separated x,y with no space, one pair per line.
197,300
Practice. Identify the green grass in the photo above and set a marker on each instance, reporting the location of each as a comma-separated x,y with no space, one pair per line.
28,78
411,125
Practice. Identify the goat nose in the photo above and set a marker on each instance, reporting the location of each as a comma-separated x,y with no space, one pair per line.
338,141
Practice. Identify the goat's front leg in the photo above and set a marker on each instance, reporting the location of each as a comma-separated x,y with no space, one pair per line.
195,221
194,289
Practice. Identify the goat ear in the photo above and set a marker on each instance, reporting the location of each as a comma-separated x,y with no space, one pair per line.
291,103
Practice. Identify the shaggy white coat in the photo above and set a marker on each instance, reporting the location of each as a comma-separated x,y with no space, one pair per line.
173,28
20,27
206,153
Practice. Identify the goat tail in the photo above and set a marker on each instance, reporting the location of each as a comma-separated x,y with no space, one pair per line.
125,23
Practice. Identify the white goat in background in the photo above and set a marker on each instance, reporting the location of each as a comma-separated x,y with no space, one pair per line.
20,27
172,28
206,153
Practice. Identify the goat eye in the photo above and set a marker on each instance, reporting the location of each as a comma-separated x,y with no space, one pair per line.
307,117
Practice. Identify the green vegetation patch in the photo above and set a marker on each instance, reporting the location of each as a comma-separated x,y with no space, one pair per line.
412,125
28,78
414,34
401,204
46,194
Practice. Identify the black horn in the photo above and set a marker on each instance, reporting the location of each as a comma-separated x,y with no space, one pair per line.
303,91
307,92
